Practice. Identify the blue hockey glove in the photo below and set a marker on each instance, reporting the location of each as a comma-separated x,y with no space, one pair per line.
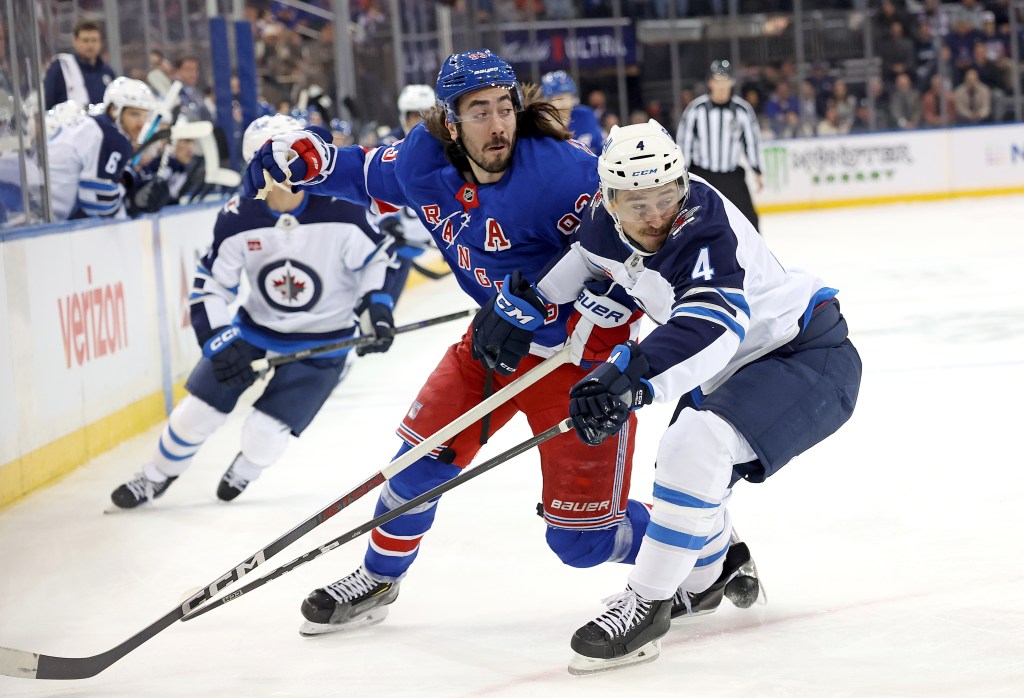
600,403
300,157
230,356
375,320
503,328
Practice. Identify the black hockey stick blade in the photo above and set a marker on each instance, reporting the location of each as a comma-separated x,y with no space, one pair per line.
264,364
560,428
30,665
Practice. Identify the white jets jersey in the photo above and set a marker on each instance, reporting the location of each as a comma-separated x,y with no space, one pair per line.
85,160
307,270
719,296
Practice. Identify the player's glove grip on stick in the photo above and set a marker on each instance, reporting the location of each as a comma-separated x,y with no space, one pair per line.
600,403
230,356
503,328
375,320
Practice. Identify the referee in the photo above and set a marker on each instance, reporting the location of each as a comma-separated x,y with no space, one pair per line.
714,131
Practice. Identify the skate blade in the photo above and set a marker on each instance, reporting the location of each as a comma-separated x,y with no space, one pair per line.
584,666
372,617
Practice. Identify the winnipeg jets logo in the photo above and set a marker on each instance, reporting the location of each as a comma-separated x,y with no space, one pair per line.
289,286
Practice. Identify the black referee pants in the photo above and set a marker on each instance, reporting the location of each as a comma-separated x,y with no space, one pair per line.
733,186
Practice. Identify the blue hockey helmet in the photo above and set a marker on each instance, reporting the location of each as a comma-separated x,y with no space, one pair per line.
557,83
462,73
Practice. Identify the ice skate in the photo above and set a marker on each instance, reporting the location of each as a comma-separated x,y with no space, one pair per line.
354,601
738,583
139,490
233,483
624,635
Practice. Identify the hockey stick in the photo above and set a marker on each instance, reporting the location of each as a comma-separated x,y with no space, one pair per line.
560,428
30,665
264,364
429,273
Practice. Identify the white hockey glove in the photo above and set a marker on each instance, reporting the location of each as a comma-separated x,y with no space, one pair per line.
297,157
602,318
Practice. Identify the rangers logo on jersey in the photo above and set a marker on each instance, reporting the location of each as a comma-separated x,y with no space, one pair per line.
289,286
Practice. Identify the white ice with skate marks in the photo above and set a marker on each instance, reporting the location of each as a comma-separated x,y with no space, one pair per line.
891,551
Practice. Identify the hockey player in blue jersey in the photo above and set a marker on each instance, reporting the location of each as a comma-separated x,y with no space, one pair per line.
86,159
495,178
560,89
757,353
404,225
314,267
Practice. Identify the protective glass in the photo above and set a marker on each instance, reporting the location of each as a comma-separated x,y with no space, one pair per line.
643,205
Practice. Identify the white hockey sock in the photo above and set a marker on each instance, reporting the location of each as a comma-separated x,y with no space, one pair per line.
189,426
264,440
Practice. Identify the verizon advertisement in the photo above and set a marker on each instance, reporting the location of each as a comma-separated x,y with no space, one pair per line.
93,330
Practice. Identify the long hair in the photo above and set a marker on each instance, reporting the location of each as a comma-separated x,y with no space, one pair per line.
538,119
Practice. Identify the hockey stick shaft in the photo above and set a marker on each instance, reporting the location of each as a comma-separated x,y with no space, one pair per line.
30,665
263,364
560,428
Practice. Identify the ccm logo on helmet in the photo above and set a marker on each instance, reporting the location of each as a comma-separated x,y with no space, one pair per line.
641,173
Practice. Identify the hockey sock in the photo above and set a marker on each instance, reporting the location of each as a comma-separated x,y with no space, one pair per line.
189,426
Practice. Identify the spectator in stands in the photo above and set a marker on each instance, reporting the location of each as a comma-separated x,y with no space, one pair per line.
989,72
608,120
969,11
936,17
597,101
862,117
830,124
822,82
782,110
927,49
808,108
933,114
961,46
997,44
889,14
846,104
897,52
639,116
879,98
559,9
973,99
905,104
193,101
81,75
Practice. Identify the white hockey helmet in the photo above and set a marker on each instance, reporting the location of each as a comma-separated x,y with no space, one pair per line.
263,129
636,157
125,92
415,98
63,114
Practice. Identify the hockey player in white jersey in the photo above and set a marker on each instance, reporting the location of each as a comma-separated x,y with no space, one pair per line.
756,353
87,158
315,267
404,224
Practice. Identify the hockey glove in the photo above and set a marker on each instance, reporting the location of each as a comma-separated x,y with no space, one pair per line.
600,403
375,321
230,356
151,196
300,157
394,226
503,328
602,318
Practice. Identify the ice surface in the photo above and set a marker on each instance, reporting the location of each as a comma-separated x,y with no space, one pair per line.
892,552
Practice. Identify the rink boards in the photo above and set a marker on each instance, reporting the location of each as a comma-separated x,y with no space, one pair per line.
97,337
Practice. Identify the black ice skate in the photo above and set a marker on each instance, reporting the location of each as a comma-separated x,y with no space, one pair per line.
351,602
139,490
624,635
231,484
738,583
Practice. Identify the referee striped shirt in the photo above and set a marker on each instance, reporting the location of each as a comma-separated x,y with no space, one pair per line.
713,136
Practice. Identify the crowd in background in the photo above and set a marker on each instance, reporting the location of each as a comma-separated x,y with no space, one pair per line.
938,64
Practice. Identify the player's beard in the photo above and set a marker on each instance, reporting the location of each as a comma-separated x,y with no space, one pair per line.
650,238
494,162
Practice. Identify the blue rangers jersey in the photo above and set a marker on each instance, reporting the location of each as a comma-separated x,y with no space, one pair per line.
585,129
484,231
306,269
85,160
718,295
